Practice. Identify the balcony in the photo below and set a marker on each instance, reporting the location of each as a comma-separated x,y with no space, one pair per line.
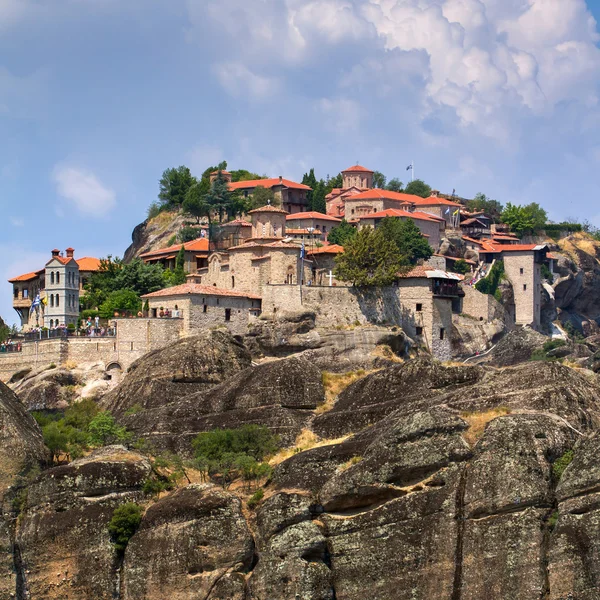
445,289
21,302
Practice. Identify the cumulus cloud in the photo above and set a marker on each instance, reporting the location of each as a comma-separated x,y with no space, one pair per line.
239,81
84,191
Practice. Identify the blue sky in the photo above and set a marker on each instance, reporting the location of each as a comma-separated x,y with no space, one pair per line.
98,97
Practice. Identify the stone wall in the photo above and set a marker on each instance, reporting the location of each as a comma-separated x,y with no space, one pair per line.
480,306
525,275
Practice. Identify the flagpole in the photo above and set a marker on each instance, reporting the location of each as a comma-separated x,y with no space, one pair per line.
412,170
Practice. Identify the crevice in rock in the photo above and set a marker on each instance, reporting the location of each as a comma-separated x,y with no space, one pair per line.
544,552
507,510
460,533
21,591
118,579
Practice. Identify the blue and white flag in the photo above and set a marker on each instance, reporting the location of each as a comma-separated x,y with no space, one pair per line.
447,211
36,302
302,250
409,167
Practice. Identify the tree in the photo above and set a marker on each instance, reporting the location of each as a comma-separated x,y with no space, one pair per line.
219,196
244,175
319,203
379,180
56,438
124,300
407,237
369,259
341,233
173,186
394,185
418,188
334,182
261,196
195,203
524,219
104,430
124,523
461,266
310,180
188,234
492,208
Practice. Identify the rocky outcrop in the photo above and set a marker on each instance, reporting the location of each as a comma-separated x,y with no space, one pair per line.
280,394
515,347
191,365
153,234
48,390
337,350
62,542
193,544
21,442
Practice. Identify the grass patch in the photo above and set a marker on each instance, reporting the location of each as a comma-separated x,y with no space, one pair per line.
560,464
345,466
305,441
386,352
70,364
255,498
335,384
478,420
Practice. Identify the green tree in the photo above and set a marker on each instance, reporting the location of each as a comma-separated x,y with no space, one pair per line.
219,196
56,438
334,182
80,414
188,234
369,259
310,180
124,300
124,523
318,202
379,180
492,208
461,266
524,219
261,196
195,203
394,185
103,430
177,277
244,175
174,185
341,233
408,238
418,188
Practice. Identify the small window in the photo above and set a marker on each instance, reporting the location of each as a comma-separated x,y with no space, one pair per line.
57,300
204,308
52,300
25,293
16,293
419,331
524,287
419,307
521,270
57,277
232,281
52,277
442,333
228,314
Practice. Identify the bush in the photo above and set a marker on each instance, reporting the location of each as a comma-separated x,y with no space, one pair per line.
154,210
547,274
553,344
103,430
560,464
155,485
489,284
124,523
255,498
461,266
188,234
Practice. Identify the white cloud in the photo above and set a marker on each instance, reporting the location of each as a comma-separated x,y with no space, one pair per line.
83,189
16,221
341,115
240,82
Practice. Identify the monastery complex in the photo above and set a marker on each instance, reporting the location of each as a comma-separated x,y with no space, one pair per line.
277,259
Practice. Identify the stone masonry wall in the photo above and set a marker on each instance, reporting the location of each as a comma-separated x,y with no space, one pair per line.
525,275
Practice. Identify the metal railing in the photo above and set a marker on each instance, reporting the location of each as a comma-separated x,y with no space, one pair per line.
445,289
10,348
62,334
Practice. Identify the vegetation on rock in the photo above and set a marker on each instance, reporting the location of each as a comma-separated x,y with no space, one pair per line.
124,523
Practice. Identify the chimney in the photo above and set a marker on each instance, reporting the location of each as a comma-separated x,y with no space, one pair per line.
435,193
280,179
55,252
70,252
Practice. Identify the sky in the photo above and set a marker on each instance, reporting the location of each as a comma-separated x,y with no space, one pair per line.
98,97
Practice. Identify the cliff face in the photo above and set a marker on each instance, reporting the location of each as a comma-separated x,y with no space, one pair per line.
428,481
153,234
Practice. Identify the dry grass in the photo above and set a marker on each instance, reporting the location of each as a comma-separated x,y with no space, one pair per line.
336,383
305,441
384,351
578,241
478,420
70,364
353,461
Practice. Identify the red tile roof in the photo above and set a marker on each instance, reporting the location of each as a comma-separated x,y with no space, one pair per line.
330,249
376,194
25,277
88,263
195,288
496,248
433,200
312,215
357,169
268,208
302,231
267,183
199,245
404,214
237,223
471,221
416,271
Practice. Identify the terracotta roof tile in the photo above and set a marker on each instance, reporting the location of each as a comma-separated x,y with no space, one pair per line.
25,277
404,214
199,245
312,215
268,208
330,249
357,169
237,223
88,263
302,231
377,194
268,183
195,288
433,200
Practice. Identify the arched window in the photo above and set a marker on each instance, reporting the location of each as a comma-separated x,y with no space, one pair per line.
51,322
290,275
57,277
232,281
57,300
52,300
52,277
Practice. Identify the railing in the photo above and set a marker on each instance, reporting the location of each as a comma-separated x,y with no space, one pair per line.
445,289
62,334
10,348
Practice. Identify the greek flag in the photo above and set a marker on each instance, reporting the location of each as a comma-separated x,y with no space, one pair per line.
36,302
409,167
447,211
302,251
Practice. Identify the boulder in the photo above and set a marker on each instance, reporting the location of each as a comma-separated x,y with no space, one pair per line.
164,376
50,389
515,347
280,394
62,540
192,544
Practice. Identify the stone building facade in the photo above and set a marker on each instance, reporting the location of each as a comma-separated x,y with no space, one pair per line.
196,255
313,221
357,176
290,195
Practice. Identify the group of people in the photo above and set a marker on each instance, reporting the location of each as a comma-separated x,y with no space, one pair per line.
93,328
10,346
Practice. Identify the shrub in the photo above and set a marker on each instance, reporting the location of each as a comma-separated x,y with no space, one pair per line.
489,284
154,210
188,234
172,240
255,498
104,430
461,266
134,410
560,464
124,523
553,344
553,520
155,485
547,273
